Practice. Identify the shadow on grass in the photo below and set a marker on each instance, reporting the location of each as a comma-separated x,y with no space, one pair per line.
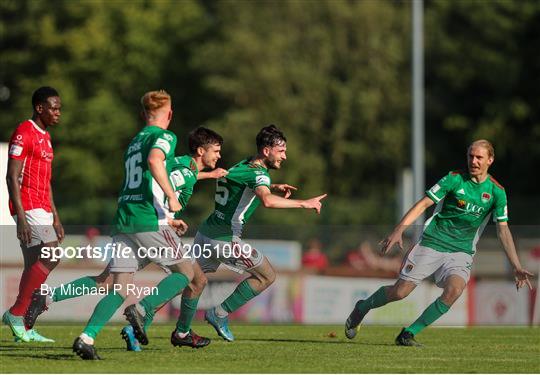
347,343
55,357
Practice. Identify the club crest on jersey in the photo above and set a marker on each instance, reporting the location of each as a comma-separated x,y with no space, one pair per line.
461,203
409,268
486,197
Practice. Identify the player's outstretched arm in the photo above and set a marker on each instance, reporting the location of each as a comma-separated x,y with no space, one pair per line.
270,200
57,224
15,166
159,173
216,173
410,217
521,275
286,189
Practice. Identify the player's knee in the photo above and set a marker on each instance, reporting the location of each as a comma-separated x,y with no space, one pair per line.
104,280
49,264
198,284
396,293
268,278
451,294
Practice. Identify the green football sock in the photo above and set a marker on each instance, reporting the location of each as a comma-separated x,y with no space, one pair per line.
148,319
166,290
431,314
243,293
76,288
377,299
188,309
103,312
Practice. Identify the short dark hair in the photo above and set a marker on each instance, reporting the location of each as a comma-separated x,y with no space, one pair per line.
42,94
203,137
270,136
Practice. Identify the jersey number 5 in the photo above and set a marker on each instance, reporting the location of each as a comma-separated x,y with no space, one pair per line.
133,171
222,194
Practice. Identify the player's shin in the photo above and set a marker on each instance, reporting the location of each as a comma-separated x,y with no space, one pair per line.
430,314
241,295
31,279
377,299
169,287
75,288
103,312
187,312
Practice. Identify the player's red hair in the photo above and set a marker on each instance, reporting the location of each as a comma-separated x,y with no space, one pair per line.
154,100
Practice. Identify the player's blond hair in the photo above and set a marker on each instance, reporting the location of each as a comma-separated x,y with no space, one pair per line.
154,100
485,144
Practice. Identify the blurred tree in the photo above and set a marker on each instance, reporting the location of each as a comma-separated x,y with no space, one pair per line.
482,69
333,76
101,56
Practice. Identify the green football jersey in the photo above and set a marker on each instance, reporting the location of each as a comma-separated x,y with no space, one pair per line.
235,201
141,204
462,212
183,174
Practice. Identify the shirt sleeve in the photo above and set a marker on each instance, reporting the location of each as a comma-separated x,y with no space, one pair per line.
19,144
166,142
443,187
260,180
500,210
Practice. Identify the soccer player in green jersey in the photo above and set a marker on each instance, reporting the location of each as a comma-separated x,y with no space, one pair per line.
465,202
219,238
145,208
205,148
184,171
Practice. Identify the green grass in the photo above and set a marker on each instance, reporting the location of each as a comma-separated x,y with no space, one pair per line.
284,349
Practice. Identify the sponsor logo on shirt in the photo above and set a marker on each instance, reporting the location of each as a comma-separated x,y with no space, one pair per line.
470,208
486,197
435,188
168,137
46,155
15,150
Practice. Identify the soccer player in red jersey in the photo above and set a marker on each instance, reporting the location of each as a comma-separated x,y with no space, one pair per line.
31,204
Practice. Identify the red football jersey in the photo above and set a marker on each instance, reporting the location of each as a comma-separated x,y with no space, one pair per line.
32,145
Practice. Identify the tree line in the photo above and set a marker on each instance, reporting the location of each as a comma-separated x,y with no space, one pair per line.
334,75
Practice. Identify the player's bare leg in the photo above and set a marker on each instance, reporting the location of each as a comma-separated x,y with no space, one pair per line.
384,295
261,278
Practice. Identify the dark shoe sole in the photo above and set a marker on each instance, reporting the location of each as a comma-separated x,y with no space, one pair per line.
137,324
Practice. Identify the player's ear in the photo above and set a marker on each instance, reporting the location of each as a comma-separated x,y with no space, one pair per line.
266,151
39,108
200,151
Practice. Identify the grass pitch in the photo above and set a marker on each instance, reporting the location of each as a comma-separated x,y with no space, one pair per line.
284,349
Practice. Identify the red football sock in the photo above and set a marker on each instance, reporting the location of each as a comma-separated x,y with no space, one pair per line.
31,279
